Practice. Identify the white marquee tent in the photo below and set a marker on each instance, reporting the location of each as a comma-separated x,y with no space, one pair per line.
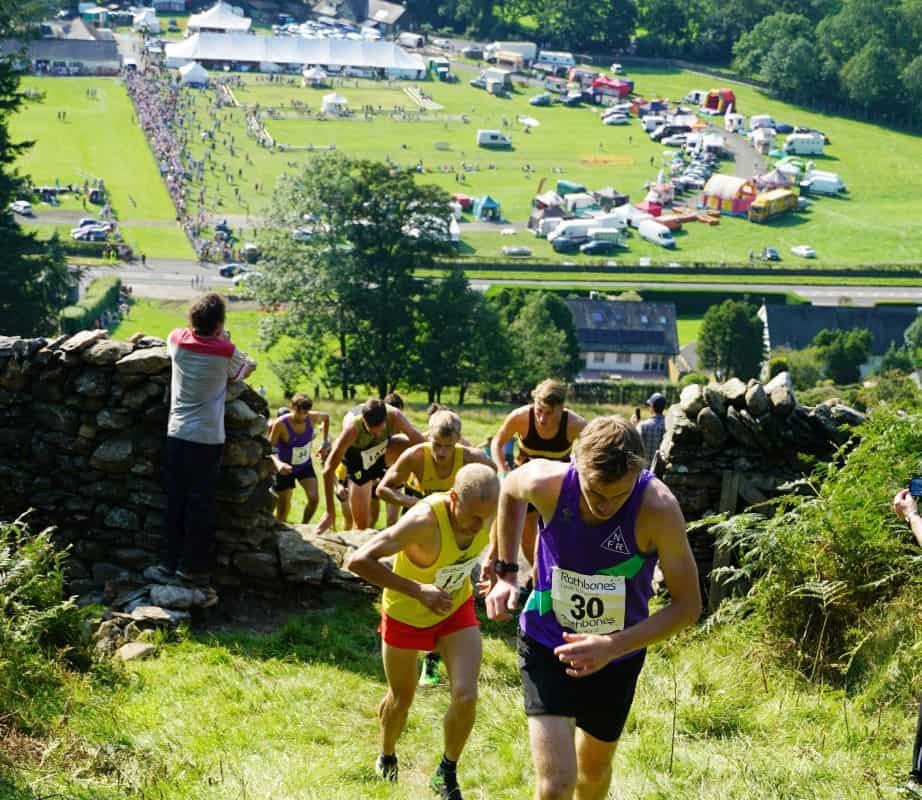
220,17
193,75
334,104
241,48
145,19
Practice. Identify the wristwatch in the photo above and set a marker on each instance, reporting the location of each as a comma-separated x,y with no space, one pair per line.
501,567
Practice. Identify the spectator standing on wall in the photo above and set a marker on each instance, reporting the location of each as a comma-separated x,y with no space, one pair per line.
906,507
653,429
204,360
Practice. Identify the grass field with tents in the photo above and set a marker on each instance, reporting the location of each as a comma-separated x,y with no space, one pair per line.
869,225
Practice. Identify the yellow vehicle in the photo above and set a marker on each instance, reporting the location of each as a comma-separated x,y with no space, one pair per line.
771,204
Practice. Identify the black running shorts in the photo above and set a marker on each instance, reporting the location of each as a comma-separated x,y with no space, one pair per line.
599,702
285,482
358,474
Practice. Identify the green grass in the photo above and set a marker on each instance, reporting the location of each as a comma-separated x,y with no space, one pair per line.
689,327
99,139
291,714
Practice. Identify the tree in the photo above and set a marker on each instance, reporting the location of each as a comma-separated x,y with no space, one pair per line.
539,348
34,282
913,334
752,49
487,355
731,340
342,241
843,352
897,359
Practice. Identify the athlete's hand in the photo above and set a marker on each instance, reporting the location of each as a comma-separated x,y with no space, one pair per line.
285,469
327,523
435,599
324,452
487,578
502,600
585,653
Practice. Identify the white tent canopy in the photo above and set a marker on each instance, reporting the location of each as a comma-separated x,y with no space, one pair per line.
193,74
334,103
146,19
315,74
220,17
244,48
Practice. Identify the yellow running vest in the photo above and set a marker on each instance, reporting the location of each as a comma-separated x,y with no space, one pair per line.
451,571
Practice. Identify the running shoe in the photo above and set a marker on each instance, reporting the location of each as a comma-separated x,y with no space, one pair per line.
386,768
429,674
445,785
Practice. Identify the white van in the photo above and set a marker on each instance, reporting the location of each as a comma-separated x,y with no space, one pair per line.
487,138
821,182
572,229
614,235
411,40
653,231
804,144
695,97
556,58
528,50
761,121
547,226
651,122
608,219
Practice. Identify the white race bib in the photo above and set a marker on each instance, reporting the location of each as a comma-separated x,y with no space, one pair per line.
588,603
372,454
451,578
300,455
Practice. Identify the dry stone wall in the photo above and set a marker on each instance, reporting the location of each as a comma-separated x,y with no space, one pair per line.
82,428
759,431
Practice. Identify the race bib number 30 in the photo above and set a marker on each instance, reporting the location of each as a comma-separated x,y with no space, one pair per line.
451,578
372,454
588,603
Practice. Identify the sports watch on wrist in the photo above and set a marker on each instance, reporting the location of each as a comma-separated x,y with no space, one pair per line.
501,568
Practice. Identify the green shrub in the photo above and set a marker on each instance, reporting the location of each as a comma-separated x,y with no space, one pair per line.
777,365
828,558
41,633
101,294
693,377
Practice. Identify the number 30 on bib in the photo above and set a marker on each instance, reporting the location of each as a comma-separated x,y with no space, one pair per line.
588,603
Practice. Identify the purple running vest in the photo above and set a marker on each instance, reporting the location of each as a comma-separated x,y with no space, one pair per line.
607,550
286,449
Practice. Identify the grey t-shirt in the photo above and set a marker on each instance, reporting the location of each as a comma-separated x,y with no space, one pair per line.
202,366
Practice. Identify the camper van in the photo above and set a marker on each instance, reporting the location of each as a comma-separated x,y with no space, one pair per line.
412,40
528,50
761,121
695,97
651,122
654,232
821,182
734,123
804,144
572,229
556,58
494,139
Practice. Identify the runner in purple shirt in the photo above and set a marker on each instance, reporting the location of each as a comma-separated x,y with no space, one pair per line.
585,628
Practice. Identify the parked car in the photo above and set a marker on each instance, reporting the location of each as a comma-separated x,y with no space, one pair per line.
769,254
804,251
89,234
517,251
443,43
597,248
543,99
472,51
783,127
23,207
616,69
676,140
243,277
567,245
616,119
87,221
478,83
805,129
232,269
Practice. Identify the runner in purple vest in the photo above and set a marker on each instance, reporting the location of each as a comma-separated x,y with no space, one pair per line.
586,625
291,437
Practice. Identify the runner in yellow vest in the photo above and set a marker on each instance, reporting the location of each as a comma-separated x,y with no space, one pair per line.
428,604
426,468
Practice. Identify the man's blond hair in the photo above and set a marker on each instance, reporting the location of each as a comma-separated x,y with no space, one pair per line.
550,393
476,483
608,448
444,422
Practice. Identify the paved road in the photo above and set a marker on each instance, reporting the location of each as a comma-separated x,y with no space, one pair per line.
165,279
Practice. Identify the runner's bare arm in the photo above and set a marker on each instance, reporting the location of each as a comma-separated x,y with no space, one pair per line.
403,425
398,474
345,438
324,419
415,528
660,527
511,426
575,425
278,432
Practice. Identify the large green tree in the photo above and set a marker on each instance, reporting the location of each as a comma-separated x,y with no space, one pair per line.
34,282
843,352
731,340
343,240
